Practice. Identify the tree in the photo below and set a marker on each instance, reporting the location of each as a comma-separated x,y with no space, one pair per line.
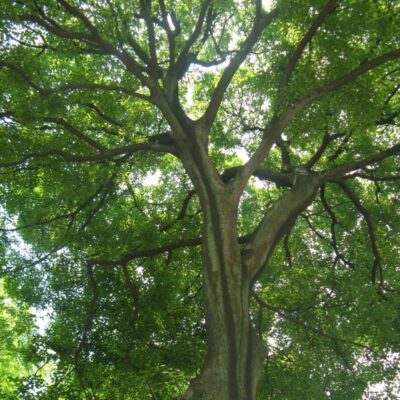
16,330
265,246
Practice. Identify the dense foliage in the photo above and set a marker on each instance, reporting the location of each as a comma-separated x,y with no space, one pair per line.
102,222
16,337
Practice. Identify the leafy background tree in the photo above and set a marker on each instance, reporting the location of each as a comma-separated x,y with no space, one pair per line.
16,338
120,120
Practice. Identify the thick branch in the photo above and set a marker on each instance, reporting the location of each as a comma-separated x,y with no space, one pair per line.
276,126
94,86
259,25
146,12
276,222
104,116
327,139
107,155
170,34
341,81
182,59
72,85
138,50
76,132
138,252
349,167
78,14
56,29
93,38
328,9
268,174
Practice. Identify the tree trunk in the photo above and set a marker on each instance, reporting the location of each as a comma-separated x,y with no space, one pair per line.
234,354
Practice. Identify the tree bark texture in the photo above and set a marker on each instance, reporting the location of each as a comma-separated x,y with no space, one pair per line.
234,353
